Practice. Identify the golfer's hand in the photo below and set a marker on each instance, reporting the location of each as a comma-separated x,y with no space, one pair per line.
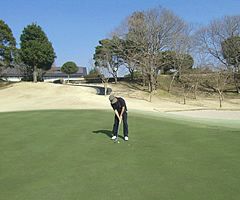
120,119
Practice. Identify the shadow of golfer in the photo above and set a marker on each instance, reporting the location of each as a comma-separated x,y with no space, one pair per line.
107,133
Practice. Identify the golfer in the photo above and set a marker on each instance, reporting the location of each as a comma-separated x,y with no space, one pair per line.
119,106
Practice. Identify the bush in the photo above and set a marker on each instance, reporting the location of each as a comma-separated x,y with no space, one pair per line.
92,76
30,79
136,74
169,72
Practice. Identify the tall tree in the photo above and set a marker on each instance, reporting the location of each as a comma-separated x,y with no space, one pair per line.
7,46
216,39
107,56
128,53
36,50
152,32
69,68
231,51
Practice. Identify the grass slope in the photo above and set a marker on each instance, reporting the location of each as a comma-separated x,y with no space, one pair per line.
69,155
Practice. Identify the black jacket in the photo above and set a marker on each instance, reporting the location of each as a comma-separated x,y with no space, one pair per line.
118,106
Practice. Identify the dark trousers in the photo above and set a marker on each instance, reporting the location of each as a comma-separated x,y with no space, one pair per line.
125,124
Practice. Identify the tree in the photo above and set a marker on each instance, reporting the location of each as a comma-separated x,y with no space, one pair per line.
107,56
36,51
92,68
217,81
150,33
69,68
104,75
128,52
94,71
174,60
186,87
216,39
231,51
8,48
221,78
167,58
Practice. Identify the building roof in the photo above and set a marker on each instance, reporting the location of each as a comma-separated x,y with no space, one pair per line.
10,72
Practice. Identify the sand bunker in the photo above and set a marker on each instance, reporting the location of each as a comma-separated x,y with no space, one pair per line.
38,96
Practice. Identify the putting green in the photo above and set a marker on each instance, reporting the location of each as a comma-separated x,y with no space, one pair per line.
68,154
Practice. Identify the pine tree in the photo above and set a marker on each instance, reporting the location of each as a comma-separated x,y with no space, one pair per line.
36,51
8,48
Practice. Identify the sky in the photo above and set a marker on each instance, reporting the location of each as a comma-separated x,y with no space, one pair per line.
75,26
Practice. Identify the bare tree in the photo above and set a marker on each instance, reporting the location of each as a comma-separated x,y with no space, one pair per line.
171,83
183,47
219,80
212,37
201,62
150,33
186,88
196,80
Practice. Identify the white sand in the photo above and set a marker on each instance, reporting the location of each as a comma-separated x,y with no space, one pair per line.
38,96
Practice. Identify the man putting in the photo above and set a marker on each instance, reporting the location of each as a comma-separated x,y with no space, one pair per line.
119,106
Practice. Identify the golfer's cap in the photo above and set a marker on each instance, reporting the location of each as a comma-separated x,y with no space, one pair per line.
112,99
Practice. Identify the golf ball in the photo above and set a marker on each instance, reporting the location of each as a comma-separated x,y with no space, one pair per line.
118,142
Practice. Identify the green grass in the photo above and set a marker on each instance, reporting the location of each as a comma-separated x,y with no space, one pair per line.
69,155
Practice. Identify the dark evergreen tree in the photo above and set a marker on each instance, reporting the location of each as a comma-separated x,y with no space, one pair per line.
36,51
8,48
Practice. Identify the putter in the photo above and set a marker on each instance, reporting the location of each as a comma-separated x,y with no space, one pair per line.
116,140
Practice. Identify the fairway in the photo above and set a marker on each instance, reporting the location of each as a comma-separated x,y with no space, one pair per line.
69,154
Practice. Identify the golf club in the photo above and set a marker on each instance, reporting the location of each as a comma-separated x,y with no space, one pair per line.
116,140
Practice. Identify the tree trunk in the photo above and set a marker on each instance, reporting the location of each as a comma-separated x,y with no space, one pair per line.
151,86
150,96
115,77
35,74
131,75
156,82
220,98
143,77
68,78
235,77
180,72
170,86
195,90
105,82
220,101
143,80
186,91
236,65
184,100
105,88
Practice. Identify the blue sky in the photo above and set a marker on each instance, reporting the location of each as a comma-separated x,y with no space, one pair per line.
75,26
